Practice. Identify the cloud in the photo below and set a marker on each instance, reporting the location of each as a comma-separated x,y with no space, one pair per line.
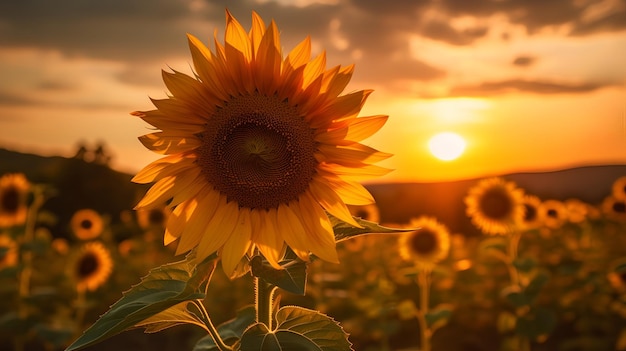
524,61
527,86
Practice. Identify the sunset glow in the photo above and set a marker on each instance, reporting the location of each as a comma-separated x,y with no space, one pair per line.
526,92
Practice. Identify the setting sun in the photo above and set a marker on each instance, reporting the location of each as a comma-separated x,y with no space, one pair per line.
446,146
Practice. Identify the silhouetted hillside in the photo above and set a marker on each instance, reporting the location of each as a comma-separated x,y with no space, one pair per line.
87,184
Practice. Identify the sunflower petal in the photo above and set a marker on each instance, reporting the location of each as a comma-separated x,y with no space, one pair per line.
320,238
256,32
357,130
266,236
197,220
168,143
330,201
298,57
178,219
164,167
219,229
353,155
238,243
350,192
291,229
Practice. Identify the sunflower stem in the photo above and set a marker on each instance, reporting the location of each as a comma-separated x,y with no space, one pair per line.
264,302
424,280
210,327
512,252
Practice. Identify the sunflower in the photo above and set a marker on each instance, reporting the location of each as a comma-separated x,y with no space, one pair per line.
153,218
86,224
533,218
92,267
258,147
14,189
576,210
495,205
617,275
554,213
614,208
619,188
427,245
8,251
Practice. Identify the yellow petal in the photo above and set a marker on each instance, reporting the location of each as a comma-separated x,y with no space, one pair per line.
158,194
164,167
178,219
330,201
298,57
357,130
236,37
204,65
292,231
266,236
345,106
188,89
238,243
169,143
197,222
362,172
256,32
268,60
320,236
350,192
219,229
354,155
339,81
314,69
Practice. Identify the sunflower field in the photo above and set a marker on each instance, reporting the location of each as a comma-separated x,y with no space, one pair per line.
544,274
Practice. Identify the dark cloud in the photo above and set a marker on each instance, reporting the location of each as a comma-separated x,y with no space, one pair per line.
526,86
524,61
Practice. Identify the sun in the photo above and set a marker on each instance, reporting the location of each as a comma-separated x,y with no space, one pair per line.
446,146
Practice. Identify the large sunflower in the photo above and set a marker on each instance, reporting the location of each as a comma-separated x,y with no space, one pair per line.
13,196
495,205
258,147
92,267
427,245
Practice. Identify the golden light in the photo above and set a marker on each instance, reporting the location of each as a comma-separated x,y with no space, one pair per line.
446,146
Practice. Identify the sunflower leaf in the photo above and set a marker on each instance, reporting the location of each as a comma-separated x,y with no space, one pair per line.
175,315
164,287
298,329
345,231
229,330
292,278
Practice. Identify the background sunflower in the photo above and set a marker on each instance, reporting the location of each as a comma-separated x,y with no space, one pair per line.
14,190
92,266
427,245
495,205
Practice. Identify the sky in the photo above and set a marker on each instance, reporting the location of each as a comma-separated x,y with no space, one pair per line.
531,85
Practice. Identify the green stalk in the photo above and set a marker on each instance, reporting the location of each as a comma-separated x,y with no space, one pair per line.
210,327
424,282
264,302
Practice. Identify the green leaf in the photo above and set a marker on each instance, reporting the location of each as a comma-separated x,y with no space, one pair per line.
229,330
345,231
175,315
298,329
438,316
162,288
538,322
524,264
515,296
534,286
493,243
292,278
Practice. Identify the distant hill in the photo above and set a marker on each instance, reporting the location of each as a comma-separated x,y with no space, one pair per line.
84,184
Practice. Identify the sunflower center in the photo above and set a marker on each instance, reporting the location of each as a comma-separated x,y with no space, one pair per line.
258,151
424,242
495,204
86,224
362,214
619,207
10,200
552,213
87,265
530,213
